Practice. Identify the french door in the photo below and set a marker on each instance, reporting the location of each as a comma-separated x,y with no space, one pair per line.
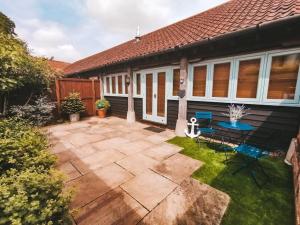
154,96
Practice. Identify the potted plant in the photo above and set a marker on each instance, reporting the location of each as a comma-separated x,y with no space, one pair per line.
236,112
73,106
102,105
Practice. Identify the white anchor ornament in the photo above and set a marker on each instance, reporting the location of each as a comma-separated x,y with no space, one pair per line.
193,125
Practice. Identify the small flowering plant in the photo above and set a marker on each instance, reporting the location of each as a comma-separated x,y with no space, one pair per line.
236,112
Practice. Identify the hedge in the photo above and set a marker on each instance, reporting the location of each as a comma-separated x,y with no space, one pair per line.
31,190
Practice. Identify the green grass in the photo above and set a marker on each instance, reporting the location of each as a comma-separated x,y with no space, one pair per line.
273,204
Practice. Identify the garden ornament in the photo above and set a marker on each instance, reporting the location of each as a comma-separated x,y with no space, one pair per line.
193,124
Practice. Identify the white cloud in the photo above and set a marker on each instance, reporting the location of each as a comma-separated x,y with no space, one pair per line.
78,28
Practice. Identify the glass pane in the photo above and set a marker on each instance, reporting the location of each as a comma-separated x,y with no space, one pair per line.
199,82
283,76
248,78
107,85
161,88
113,84
221,80
149,91
138,84
120,85
176,81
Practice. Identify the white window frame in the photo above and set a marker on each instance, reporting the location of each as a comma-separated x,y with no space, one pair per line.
191,81
170,95
230,84
296,100
117,94
135,95
260,80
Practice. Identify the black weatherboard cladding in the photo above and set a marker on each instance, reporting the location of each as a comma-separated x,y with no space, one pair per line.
275,126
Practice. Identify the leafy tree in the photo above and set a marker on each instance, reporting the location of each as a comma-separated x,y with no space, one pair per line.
17,67
7,26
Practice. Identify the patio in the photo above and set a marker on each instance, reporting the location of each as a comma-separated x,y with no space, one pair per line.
124,174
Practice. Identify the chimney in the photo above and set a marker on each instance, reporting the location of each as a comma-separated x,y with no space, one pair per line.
137,36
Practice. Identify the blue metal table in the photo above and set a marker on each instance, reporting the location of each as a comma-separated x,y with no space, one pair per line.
253,153
243,128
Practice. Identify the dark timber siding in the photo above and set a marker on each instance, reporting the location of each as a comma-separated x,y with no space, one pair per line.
172,113
275,125
138,108
118,106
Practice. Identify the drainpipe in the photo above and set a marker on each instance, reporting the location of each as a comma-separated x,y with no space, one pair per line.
129,82
181,123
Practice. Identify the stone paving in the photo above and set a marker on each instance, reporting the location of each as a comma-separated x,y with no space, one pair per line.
123,174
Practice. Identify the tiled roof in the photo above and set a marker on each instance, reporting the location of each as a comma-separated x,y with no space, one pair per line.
58,65
229,17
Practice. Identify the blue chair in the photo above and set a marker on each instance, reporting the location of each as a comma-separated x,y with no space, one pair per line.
207,130
253,154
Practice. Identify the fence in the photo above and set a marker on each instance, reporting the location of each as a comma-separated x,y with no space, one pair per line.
296,176
89,91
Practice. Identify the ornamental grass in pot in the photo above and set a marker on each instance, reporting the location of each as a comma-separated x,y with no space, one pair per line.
73,106
102,106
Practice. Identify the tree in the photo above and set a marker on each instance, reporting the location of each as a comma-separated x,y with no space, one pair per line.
17,67
7,26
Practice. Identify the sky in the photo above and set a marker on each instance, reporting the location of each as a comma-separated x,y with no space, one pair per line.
70,30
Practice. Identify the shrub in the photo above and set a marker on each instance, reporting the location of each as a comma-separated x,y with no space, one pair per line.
31,191
72,104
39,113
102,104
33,198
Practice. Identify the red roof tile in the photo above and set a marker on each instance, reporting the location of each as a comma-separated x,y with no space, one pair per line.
58,65
229,17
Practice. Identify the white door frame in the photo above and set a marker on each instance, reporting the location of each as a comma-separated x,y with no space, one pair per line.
154,117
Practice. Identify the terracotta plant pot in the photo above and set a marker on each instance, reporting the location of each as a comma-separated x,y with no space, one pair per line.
101,113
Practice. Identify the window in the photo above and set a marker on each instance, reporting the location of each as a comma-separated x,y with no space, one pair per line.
284,72
113,84
176,81
248,75
221,76
120,85
107,85
199,81
138,84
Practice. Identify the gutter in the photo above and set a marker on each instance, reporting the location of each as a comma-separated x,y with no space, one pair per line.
264,25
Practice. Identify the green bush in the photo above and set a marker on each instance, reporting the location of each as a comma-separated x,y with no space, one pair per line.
72,104
22,146
102,104
31,191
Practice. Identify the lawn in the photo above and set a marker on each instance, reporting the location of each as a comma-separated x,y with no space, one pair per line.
273,204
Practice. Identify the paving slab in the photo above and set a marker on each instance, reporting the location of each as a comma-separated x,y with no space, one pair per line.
97,160
137,163
113,175
178,167
110,143
192,203
87,188
149,188
69,170
134,147
61,146
84,151
78,139
162,151
115,207
65,156
156,138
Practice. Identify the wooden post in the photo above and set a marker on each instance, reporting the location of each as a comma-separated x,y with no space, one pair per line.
181,123
94,96
130,112
57,90
101,86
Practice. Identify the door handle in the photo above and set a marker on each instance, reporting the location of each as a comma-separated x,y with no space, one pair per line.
154,95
